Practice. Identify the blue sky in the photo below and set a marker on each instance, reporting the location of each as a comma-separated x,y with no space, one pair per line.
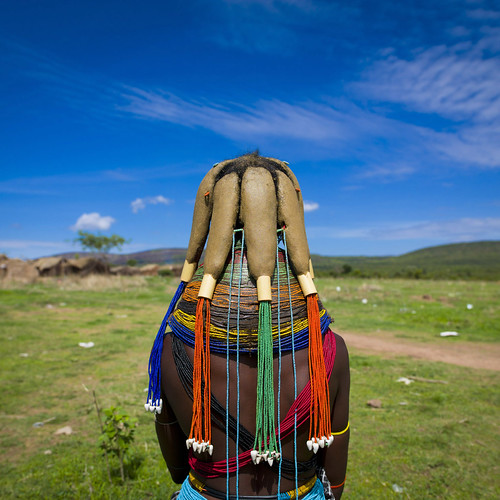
112,112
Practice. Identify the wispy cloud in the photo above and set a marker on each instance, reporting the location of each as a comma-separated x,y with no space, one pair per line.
54,185
140,203
471,146
340,128
80,90
457,82
464,229
483,14
310,206
306,121
93,221
387,172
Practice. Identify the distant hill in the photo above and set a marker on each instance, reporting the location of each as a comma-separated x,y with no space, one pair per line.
476,260
479,260
158,256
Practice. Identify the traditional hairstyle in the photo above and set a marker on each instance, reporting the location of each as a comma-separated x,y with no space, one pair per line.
261,199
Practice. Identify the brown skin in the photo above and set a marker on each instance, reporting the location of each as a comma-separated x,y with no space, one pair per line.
253,480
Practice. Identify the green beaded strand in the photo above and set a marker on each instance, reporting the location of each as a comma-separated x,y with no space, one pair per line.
265,433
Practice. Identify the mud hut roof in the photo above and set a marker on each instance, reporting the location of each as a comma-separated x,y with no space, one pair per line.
48,262
150,267
82,262
125,270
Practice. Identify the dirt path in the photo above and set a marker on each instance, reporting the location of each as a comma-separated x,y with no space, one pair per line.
471,354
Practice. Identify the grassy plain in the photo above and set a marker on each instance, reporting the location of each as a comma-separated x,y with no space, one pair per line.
433,440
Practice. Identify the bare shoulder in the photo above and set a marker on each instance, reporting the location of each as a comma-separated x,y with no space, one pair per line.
341,355
340,342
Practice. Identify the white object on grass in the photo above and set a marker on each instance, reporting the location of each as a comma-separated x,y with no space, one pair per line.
405,380
86,345
67,430
449,334
469,306
364,301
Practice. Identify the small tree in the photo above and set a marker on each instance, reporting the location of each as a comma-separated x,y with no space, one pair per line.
346,269
117,436
99,243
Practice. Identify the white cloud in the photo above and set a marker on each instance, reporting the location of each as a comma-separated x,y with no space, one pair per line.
340,126
273,118
483,14
93,221
310,206
464,229
140,203
478,145
458,82
386,172
137,205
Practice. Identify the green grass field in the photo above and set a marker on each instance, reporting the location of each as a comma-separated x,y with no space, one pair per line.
432,440
414,309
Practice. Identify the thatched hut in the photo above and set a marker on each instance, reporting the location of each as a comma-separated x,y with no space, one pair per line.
150,270
51,266
3,265
125,271
17,270
85,266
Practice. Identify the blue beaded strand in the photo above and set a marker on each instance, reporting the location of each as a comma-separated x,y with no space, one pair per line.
154,403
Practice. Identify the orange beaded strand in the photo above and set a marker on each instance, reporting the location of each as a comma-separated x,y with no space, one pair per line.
319,425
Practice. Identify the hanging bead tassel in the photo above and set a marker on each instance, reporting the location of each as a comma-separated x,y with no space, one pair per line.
200,435
154,403
265,446
319,411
